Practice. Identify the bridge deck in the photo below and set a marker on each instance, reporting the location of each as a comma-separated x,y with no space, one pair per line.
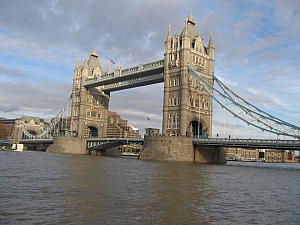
250,143
141,75
238,143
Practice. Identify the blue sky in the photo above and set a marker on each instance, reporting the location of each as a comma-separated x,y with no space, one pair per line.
257,51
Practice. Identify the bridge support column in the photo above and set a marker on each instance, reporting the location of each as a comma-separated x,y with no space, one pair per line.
210,154
68,145
168,148
17,134
180,148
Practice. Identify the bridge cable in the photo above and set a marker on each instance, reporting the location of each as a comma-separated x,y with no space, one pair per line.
47,131
258,118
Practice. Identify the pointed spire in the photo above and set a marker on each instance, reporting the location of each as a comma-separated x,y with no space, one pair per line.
211,47
185,31
108,68
94,53
169,36
85,64
77,63
191,19
210,43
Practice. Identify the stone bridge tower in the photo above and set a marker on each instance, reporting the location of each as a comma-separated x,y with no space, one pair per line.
187,109
89,105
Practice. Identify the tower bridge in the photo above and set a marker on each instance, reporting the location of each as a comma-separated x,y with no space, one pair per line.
187,71
182,96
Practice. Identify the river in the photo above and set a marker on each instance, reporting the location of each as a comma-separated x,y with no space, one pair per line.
44,188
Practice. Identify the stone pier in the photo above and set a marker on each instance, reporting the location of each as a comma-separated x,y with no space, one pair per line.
210,155
68,145
180,148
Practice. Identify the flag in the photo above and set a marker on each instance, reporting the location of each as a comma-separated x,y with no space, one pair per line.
112,62
130,56
148,118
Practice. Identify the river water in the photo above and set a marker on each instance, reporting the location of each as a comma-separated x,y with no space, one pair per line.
44,188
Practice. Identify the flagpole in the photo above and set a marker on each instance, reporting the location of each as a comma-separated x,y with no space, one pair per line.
130,56
129,61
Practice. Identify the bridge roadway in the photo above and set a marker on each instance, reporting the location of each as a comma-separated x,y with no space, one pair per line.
105,143
250,143
92,143
101,143
144,74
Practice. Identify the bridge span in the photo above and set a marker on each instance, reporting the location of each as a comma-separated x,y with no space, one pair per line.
144,74
250,143
106,143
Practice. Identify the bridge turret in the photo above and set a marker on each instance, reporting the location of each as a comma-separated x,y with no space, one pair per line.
211,46
211,53
85,68
108,68
169,36
186,38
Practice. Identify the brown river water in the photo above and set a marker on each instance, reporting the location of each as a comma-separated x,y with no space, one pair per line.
44,188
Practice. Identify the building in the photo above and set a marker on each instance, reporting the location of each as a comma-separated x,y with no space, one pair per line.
117,127
276,156
266,155
241,154
130,149
7,127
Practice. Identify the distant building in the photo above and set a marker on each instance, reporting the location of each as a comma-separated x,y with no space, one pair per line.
117,127
7,128
130,149
266,155
241,154
279,156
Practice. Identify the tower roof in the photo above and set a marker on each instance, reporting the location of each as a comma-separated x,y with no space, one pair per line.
93,62
94,53
191,19
169,36
190,26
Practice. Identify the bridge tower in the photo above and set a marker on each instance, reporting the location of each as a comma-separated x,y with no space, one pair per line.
187,108
89,105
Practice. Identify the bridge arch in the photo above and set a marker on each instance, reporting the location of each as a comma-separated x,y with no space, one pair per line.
32,132
198,129
90,131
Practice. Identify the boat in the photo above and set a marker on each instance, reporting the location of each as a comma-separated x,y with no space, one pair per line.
134,154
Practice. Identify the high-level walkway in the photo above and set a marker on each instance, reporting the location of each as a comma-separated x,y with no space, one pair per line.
144,74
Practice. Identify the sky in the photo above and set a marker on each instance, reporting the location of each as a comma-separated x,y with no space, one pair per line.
257,52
